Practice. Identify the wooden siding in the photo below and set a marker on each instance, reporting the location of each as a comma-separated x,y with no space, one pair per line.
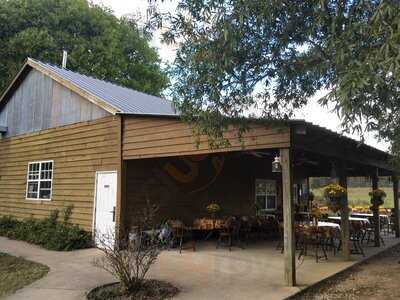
41,103
78,151
145,137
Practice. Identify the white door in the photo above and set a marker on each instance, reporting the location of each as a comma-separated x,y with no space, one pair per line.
106,201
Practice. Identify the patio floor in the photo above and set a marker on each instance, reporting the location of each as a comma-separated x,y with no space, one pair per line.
253,273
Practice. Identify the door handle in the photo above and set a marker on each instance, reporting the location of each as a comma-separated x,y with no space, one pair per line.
113,213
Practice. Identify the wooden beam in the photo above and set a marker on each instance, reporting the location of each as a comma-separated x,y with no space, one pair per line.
396,224
375,181
344,214
288,218
12,83
340,148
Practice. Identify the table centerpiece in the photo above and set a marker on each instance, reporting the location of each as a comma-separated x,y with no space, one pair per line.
213,208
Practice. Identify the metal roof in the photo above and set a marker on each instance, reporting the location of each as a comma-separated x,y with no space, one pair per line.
124,100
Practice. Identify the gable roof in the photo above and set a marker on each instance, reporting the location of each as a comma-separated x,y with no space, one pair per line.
111,97
120,100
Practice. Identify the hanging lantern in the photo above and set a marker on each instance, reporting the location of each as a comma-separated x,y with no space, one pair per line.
276,165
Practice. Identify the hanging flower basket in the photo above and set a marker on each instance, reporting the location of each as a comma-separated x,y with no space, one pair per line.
377,198
335,195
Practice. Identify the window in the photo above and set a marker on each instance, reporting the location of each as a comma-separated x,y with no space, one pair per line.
266,194
39,180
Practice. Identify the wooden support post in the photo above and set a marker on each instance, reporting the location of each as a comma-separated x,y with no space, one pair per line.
396,217
308,193
377,231
344,215
288,218
121,178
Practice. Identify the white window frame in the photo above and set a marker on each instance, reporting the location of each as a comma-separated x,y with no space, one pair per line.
39,180
267,181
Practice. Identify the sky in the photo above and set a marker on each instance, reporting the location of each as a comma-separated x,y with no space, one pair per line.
313,112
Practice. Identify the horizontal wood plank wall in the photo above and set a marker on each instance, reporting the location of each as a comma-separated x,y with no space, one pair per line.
145,137
78,151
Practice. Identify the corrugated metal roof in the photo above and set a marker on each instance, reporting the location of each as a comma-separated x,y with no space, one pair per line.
124,100
128,101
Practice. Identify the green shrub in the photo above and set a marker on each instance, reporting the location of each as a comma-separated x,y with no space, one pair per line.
48,233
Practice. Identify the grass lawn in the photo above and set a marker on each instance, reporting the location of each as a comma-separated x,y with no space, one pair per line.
16,272
359,196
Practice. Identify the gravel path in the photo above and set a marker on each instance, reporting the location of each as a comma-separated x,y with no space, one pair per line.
378,278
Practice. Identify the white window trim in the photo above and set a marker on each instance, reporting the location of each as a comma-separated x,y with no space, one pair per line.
276,193
39,180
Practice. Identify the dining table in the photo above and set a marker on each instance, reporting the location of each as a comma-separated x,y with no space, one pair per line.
328,224
368,215
351,219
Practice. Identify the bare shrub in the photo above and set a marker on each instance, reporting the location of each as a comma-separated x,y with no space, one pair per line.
130,259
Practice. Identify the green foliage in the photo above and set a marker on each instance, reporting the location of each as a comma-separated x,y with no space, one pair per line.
67,212
48,233
274,55
98,43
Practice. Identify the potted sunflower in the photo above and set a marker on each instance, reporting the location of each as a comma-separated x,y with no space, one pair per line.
335,194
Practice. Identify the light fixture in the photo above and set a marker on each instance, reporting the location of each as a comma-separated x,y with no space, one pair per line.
276,165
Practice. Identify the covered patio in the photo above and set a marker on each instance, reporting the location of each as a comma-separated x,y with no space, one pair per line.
253,273
165,166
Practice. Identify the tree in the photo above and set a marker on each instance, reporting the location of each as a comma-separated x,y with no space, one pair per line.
98,43
274,55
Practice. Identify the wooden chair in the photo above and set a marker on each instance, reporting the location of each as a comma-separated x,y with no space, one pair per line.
312,237
229,234
182,235
245,229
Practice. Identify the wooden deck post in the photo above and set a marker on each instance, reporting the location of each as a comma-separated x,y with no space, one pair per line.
396,218
344,215
288,218
121,197
375,212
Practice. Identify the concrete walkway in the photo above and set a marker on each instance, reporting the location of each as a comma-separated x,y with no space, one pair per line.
255,272
71,274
